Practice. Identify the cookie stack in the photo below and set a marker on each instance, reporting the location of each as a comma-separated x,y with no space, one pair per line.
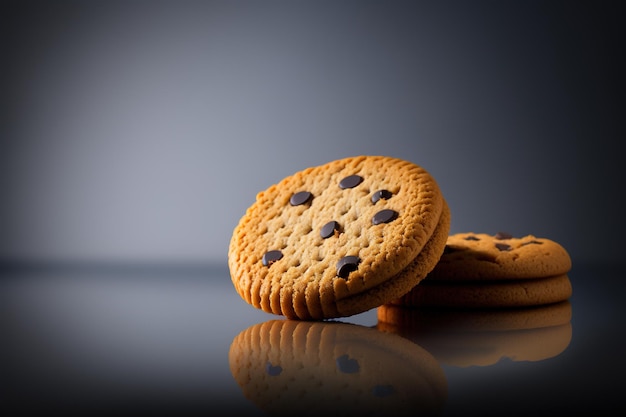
479,270
356,233
339,239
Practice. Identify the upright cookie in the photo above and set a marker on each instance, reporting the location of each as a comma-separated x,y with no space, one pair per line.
402,283
332,240
289,367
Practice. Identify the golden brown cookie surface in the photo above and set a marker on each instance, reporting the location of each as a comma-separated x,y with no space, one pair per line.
479,256
404,281
479,270
333,232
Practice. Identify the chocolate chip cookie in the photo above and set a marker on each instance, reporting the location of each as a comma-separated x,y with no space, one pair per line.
481,270
335,240
480,256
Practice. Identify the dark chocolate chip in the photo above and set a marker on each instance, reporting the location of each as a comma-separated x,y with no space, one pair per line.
503,247
350,181
271,256
346,265
272,370
301,197
471,238
347,365
503,235
384,216
329,229
384,194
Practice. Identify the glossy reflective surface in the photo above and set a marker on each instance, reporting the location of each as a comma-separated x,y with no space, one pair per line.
179,341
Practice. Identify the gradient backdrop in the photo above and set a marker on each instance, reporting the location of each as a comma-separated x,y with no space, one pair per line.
141,131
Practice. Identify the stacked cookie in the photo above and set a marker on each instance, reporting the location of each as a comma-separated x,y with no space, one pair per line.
339,239
478,270
489,297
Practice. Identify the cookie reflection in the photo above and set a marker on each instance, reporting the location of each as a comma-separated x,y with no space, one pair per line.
289,367
480,338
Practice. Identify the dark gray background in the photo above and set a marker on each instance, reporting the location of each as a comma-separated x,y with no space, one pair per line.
141,131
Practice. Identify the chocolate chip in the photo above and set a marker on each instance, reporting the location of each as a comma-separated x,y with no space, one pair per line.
503,235
503,247
271,256
346,265
300,198
350,181
384,194
532,242
347,365
384,216
273,370
329,229
472,238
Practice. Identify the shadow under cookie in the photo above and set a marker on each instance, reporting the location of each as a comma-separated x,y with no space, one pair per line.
488,294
